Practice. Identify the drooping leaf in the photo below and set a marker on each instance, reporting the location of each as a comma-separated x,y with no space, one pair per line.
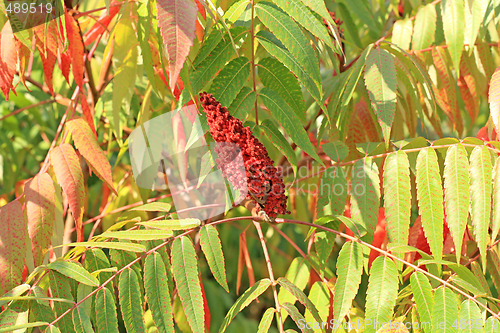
456,193
130,301
365,195
480,194
445,311
280,52
276,76
8,59
277,105
425,27
244,300
47,45
106,319
453,23
266,320
397,196
76,48
153,207
212,248
320,297
336,150
296,316
13,239
300,296
185,268
40,211
298,274
287,31
495,224
228,83
74,271
422,292
381,83
88,146
430,199
349,270
494,99
111,245
176,19
60,287
81,321
181,224
270,129
157,292
69,175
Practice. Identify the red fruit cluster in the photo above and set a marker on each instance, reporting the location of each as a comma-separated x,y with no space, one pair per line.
264,182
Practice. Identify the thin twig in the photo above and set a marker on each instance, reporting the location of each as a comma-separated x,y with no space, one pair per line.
13,113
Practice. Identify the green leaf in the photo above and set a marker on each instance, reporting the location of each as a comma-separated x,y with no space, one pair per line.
289,33
365,195
181,224
153,207
292,126
280,52
276,76
349,270
81,321
185,268
425,27
74,271
476,270
397,196
230,80
402,32
445,311
495,224
236,10
95,260
214,62
320,297
244,300
456,193
266,320
110,245
336,150
212,248
381,83
157,293
106,319
130,301
491,325
138,235
14,292
382,291
28,325
243,103
296,316
15,315
480,194
430,199
357,228
453,26
52,329
474,16
300,296
422,292
270,129
298,274
59,285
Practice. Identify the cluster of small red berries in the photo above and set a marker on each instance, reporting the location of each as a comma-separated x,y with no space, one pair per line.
264,182
338,23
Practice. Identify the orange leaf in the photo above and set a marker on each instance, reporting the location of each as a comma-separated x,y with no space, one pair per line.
24,56
8,59
46,43
101,25
13,236
469,101
69,175
494,99
40,211
64,60
469,80
76,48
87,113
177,21
88,146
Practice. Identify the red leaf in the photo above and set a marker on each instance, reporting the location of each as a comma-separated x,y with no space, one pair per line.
13,236
40,211
470,82
76,48
69,175
8,59
24,56
47,45
88,146
379,237
102,24
177,21
205,306
64,60
87,113
494,99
